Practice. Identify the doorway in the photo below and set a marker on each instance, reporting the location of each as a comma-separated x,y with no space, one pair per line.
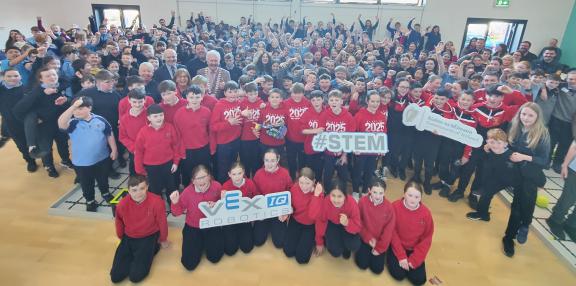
124,16
495,32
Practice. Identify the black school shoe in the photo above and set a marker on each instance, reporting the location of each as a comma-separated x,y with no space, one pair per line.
556,229
67,164
473,201
402,174
437,186
478,216
571,231
346,254
92,206
445,191
107,197
428,189
3,141
557,168
31,166
456,195
508,246
113,174
52,172
36,153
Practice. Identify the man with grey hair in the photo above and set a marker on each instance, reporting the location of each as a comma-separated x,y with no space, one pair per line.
167,70
146,72
215,75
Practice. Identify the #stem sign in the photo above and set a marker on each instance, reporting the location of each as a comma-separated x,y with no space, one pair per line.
357,142
235,209
424,119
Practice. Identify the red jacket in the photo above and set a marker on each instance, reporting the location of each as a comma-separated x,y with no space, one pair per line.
272,116
370,122
189,200
221,130
249,189
295,112
466,117
414,230
129,128
514,98
170,110
137,220
378,222
209,101
343,122
323,211
249,122
156,147
193,127
310,120
301,205
488,117
268,183
124,105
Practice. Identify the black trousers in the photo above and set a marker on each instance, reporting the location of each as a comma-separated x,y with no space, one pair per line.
426,152
119,145
4,129
226,154
447,154
196,242
338,241
194,157
15,129
465,171
522,208
365,259
131,167
363,172
88,175
271,226
316,163
238,236
560,138
401,147
491,187
250,157
330,167
133,258
295,156
415,276
299,241
160,178
478,177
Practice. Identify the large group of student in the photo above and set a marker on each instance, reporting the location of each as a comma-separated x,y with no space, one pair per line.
199,110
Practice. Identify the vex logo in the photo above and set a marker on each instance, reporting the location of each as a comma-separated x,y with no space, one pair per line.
234,208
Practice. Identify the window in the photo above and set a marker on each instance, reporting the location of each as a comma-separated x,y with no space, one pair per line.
119,15
397,2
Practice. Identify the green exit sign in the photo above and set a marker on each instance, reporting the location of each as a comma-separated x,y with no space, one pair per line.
502,3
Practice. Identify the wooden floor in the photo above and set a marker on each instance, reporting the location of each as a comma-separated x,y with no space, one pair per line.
38,249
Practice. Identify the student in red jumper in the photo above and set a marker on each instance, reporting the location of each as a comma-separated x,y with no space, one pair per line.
157,152
378,224
273,120
309,126
192,123
511,97
368,119
337,221
296,106
412,237
385,100
196,241
133,82
226,128
336,119
249,143
272,178
170,100
299,242
140,225
131,123
238,235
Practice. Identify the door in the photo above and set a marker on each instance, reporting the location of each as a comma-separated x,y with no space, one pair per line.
495,32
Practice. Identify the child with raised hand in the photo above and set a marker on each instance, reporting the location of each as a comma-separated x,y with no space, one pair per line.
157,152
412,237
499,172
378,225
141,226
93,146
238,235
299,242
338,221
196,241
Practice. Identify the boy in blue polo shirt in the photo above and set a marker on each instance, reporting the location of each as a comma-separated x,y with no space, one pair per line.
93,145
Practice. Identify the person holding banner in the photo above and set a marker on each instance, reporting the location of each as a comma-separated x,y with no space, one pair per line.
249,143
378,225
196,241
309,122
412,237
368,119
338,221
273,120
336,119
272,178
296,106
299,242
238,235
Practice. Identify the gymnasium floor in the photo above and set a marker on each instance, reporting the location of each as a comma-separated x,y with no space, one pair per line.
40,249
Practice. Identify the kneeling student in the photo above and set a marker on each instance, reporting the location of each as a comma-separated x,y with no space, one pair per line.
140,224
378,223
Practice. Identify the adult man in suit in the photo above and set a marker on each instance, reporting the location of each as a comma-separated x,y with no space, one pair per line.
168,69
216,75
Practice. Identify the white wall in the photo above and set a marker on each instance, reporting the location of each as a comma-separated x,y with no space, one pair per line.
546,19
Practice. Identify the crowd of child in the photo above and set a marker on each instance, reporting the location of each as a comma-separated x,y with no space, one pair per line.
163,102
